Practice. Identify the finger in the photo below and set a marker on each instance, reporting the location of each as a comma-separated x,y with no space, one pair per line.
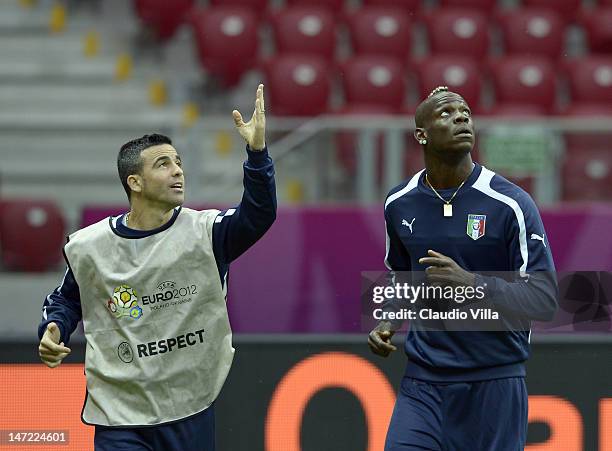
238,122
52,364
435,254
381,343
434,261
438,270
54,358
376,349
49,352
57,348
259,112
52,327
260,95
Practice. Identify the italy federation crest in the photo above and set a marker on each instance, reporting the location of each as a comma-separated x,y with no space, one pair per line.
476,226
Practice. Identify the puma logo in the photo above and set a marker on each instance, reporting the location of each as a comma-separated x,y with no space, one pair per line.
535,236
408,224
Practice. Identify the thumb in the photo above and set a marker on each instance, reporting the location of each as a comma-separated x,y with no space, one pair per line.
385,334
52,327
237,118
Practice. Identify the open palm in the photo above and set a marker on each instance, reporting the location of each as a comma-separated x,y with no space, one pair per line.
254,131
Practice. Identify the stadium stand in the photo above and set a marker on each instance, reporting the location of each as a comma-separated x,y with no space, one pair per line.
31,234
587,174
162,16
374,80
259,7
486,6
460,73
597,24
532,31
305,29
525,82
590,79
458,31
337,6
381,30
298,85
568,9
412,7
227,41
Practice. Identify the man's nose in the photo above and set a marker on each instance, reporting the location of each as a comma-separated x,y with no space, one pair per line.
460,117
178,170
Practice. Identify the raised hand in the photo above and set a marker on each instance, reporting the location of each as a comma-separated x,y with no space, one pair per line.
254,131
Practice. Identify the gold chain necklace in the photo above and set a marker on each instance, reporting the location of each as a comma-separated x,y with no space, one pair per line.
448,208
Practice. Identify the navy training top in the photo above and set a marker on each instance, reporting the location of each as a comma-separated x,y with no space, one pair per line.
512,239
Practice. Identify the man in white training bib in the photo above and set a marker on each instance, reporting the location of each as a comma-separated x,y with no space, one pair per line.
150,287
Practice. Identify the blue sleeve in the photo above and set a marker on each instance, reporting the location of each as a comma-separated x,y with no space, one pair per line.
396,259
534,294
237,229
63,307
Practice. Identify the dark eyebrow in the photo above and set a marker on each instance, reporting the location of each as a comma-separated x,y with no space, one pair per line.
164,157
444,104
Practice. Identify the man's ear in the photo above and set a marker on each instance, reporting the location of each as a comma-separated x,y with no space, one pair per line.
134,181
420,134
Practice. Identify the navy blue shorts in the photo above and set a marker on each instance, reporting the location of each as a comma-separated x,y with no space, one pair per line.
196,433
484,416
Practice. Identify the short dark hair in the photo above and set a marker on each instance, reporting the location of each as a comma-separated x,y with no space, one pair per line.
129,161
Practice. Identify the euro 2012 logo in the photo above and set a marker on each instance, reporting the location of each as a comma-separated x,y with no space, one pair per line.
125,303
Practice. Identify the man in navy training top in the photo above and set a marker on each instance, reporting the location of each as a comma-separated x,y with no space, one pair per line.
464,390
150,286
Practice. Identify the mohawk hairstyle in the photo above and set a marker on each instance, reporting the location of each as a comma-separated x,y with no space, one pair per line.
437,90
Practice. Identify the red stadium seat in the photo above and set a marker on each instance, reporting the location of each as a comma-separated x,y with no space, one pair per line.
590,79
586,168
412,7
458,31
227,41
485,6
568,9
298,85
259,7
380,30
461,74
525,81
31,234
162,16
335,5
347,141
532,31
305,30
587,174
374,81
598,27
515,110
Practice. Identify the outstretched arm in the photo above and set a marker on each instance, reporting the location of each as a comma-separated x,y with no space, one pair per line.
237,229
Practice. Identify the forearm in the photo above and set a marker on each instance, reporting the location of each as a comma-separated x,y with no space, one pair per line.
534,298
234,234
63,307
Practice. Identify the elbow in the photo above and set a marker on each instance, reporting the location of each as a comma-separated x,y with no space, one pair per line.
549,311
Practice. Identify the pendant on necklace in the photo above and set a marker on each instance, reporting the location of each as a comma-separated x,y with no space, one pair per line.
448,210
